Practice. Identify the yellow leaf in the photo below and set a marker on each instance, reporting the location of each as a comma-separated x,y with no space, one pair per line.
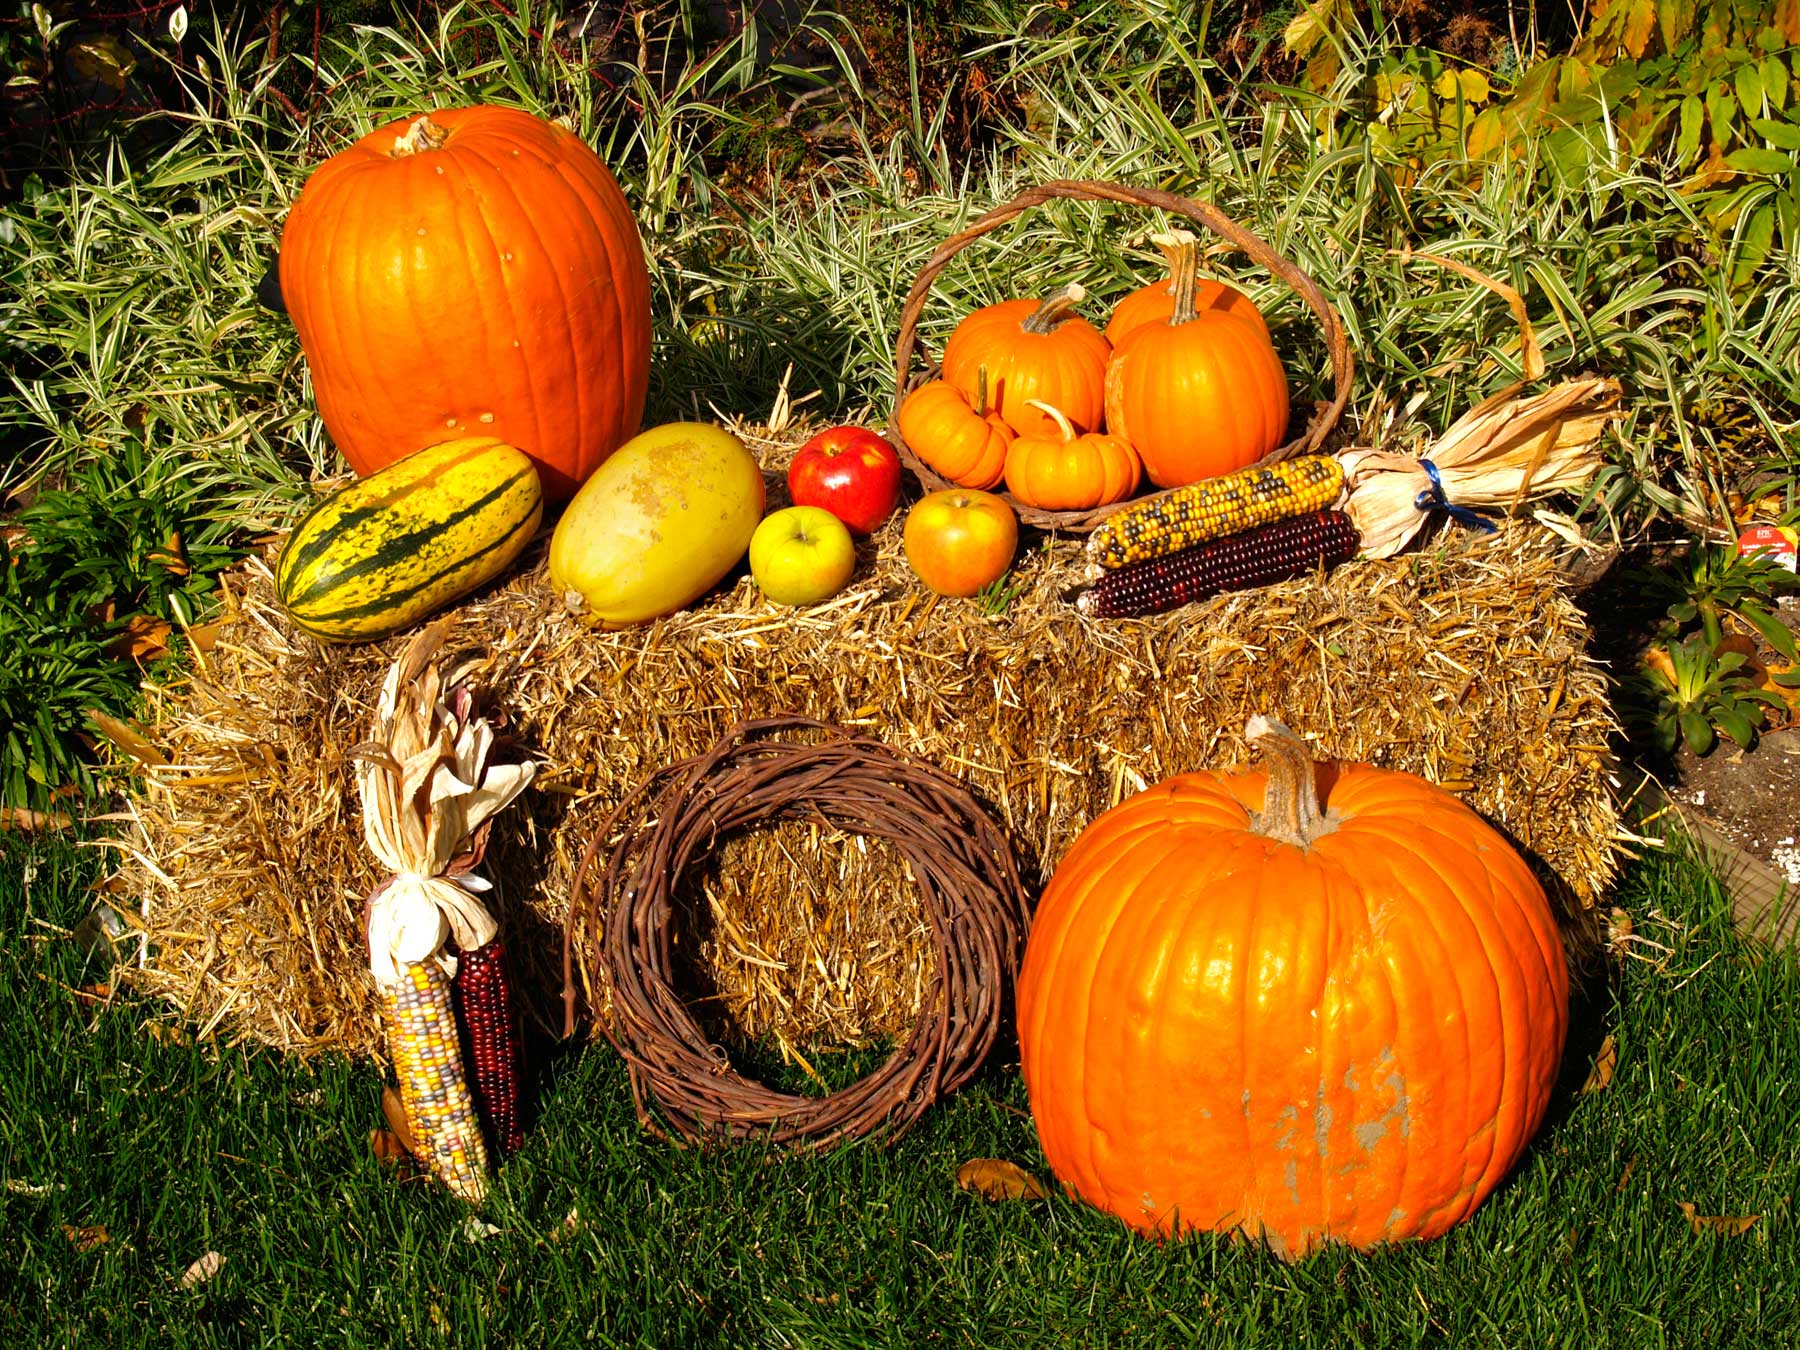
128,738
1732,1225
997,1179
87,1237
17,817
1605,1062
1640,23
105,59
145,638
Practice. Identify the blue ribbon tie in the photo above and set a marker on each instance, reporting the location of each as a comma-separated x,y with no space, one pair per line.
1433,499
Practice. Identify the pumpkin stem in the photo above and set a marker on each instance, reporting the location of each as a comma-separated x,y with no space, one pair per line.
1053,309
422,134
1182,249
981,391
1291,811
1172,244
1055,414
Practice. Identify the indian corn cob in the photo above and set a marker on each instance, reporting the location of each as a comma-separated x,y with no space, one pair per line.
1256,557
1216,507
427,795
491,1033
427,1055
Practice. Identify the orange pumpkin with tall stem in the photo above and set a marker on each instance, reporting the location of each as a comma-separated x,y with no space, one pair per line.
1149,304
1033,350
1070,472
1199,395
1317,1003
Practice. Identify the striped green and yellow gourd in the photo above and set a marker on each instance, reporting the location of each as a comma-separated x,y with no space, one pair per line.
382,553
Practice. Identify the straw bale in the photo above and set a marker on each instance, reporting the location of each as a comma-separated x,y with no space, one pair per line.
1465,663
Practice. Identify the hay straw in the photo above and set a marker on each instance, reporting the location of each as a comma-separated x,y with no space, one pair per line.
1465,663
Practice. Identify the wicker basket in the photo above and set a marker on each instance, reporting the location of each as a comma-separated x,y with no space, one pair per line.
1081,522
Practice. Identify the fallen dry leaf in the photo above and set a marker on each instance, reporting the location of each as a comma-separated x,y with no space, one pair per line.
18,818
568,1228
86,1237
145,638
172,556
206,636
127,737
1606,1060
478,1230
1625,1176
166,1033
394,1110
389,1149
15,1187
1730,1224
203,1269
997,1179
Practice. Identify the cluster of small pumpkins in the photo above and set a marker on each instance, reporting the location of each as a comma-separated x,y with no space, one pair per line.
1183,384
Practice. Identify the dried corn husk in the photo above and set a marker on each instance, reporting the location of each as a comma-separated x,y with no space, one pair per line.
1506,450
427,791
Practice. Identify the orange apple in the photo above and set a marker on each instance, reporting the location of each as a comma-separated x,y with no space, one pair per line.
960,540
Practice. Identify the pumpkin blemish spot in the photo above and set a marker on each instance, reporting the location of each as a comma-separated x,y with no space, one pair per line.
1322,1127
487,417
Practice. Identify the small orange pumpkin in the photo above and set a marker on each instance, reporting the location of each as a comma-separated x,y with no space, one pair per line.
1321,1003
965,444
1147,304
1033,350
1201,395
1070,472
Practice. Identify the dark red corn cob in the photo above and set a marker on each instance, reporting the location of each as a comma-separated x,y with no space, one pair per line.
491,1043
1274,552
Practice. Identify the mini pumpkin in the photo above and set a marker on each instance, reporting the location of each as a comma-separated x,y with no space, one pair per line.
967,445
1321,1003
1030,350
1148,304
1200,395
1070,472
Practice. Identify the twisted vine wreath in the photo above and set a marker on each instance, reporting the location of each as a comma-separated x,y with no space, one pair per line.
624,899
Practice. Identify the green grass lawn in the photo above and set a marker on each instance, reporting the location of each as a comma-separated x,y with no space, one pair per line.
178,1150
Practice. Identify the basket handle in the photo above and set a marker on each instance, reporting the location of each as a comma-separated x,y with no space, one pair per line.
1342,364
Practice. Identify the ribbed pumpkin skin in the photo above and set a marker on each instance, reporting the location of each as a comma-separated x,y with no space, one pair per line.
494,285
1352,1044
1054,474
381,554
1156,302
1065,367
1197,399
941,428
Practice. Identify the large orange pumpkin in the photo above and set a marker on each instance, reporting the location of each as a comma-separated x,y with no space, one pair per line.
1156,302
475,271
1032,349
965,444
1200,395
1068,472
1322,1004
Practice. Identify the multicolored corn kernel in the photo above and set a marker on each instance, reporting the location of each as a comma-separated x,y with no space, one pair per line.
427,1055
1216,507
484,1008
1269,553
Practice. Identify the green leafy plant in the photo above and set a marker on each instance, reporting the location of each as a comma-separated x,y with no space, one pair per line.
1714,583
1687,691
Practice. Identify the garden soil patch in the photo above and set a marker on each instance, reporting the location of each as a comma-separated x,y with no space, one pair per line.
244,869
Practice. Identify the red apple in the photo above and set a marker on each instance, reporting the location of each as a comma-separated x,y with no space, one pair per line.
959,540
849,471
